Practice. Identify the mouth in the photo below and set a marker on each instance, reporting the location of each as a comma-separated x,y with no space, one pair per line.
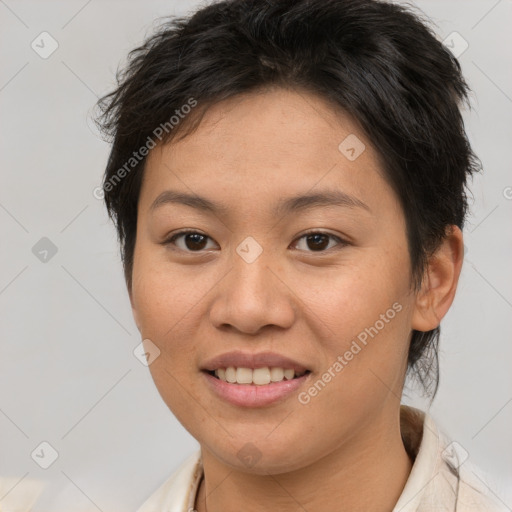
256,377
255,387
262,379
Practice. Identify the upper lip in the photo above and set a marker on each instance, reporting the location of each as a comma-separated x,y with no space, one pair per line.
240,359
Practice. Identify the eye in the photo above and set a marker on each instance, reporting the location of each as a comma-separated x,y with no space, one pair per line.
318,241
193,241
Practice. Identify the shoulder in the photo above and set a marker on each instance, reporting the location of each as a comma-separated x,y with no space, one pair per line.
477,492
475,489
442,477
19,494
178,491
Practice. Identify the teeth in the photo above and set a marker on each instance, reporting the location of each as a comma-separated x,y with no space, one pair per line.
261,376
276,374
258,376
231,374
243,376
289,374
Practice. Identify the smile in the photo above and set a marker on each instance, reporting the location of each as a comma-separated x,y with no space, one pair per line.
249,394
257,376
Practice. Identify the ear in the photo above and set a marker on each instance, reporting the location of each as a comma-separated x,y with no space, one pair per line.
439,282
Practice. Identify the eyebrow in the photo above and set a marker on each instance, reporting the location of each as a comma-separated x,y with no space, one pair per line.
286,206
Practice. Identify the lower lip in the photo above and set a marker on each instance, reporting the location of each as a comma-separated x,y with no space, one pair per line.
252,395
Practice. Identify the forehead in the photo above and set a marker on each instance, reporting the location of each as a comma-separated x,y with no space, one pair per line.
268,143
272,124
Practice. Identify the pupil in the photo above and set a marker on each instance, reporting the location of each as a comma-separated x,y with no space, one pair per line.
195,240
316,238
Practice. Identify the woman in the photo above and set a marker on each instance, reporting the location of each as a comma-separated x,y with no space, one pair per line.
288,183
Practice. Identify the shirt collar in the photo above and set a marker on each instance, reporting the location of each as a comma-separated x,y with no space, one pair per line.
421,439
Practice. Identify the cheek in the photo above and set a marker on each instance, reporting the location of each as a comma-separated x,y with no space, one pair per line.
362,318
352,297
163,300
164,309
161,293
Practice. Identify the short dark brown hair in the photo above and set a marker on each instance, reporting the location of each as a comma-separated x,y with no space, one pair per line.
379,61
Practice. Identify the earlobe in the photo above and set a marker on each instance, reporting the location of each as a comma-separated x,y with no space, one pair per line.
439,282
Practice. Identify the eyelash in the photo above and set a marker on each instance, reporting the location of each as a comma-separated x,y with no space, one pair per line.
341,242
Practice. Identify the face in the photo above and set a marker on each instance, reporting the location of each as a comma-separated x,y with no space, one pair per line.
324,283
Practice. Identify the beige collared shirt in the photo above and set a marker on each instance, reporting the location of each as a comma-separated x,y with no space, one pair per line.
441,479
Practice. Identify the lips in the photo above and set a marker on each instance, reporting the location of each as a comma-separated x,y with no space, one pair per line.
259,392
239,359
250,396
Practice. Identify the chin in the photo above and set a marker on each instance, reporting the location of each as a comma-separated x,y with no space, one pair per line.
267,456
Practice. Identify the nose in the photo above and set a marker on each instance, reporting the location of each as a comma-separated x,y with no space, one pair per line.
253,296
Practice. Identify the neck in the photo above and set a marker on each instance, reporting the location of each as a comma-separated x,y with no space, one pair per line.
370,474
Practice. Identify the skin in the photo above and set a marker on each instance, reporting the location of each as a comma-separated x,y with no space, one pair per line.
344,446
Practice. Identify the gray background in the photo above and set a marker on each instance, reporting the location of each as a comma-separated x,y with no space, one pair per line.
68,375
